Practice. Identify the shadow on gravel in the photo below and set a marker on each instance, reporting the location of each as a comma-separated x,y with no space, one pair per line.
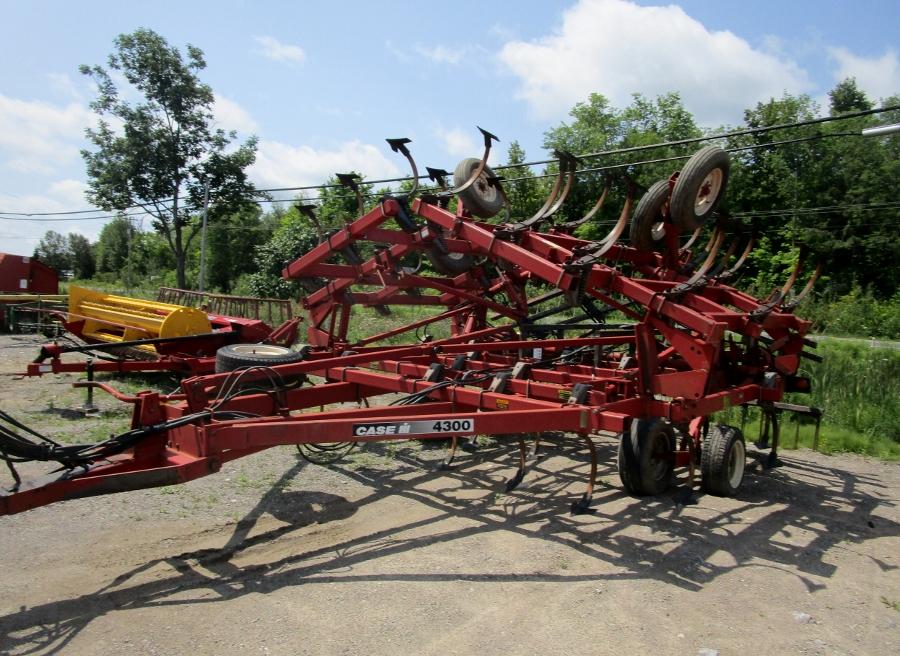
650,538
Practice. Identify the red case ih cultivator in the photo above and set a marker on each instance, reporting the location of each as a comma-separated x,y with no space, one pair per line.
530,347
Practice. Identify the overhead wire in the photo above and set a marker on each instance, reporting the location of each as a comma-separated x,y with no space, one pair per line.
8,215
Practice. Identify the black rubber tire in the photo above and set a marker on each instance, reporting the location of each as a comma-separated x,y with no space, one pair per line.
723,460
647,230
699,188
449,264
646,459
481,199
238,356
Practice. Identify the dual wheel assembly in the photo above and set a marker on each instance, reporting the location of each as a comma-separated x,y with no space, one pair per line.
695,194
647,458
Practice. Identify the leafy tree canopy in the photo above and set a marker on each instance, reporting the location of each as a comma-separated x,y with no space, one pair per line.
53,250
161,152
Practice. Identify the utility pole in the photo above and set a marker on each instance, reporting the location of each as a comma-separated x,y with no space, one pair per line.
203,236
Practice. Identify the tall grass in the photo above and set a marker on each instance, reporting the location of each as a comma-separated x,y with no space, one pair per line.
857,386
858,389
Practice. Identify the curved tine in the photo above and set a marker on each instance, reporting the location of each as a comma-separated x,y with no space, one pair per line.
551,197
695,261
690,242
624,217
513,482
309,211
488,139
351,181
789,283
732,247
571,165
596,208
583,504
794,302
451,454
439,177
742,259
715,244
399,146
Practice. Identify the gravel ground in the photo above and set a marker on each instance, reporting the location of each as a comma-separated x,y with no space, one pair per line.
383,554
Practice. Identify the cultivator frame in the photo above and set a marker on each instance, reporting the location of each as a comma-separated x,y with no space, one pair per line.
693,345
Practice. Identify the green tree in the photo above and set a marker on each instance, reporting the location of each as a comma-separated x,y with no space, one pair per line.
597,126
229,241
53,250
166,152
114,245
82,256
526,193
848,97
787,174
293,237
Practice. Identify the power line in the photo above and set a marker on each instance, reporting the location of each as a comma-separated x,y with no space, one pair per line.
372,194
680,142
85,218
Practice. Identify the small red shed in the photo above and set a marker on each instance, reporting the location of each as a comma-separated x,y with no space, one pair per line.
20,274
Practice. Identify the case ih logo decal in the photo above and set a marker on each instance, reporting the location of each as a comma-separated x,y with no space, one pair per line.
451,426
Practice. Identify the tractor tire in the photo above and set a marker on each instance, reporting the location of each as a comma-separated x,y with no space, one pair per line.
646,458
648,229
699,188
722,460
482,199
239,356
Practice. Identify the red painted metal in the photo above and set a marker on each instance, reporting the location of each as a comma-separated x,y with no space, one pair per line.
25,275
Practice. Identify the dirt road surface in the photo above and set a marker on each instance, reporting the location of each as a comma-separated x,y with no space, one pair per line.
383,554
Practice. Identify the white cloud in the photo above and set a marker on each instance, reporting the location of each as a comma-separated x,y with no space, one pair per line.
38,137
22,236
274,49
282,165
69,192
231,116
65,86
879,77
616,48
459,143
443,54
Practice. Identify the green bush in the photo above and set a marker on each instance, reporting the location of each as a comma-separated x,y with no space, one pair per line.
856,314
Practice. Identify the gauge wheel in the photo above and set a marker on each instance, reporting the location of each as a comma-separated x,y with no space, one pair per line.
481,198
699,188
648,225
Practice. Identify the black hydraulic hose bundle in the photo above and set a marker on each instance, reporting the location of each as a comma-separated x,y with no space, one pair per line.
17,443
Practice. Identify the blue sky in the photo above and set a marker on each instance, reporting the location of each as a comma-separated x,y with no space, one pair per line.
322,84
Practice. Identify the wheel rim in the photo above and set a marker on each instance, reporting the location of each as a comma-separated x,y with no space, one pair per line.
708,192
485,190
264,350
736,462
658,231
